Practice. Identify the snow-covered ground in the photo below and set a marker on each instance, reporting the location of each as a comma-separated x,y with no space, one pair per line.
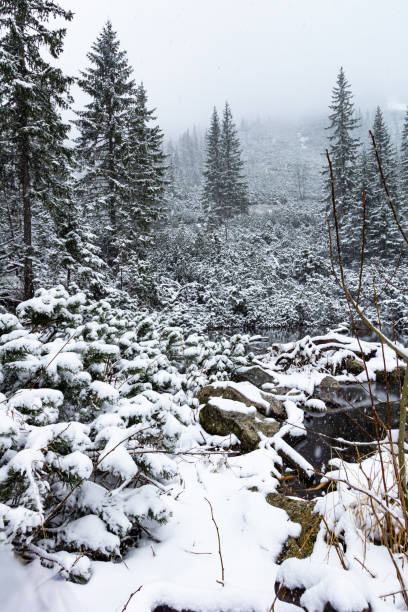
184,569
219,548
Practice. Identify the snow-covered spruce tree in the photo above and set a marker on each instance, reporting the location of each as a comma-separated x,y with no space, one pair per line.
145,166
234,188
74,258
403,170
212,168
142,197
102,127
10,223
225,192
176,189
383,238
34,156
343,151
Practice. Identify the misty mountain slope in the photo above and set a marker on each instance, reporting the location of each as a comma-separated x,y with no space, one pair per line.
283,159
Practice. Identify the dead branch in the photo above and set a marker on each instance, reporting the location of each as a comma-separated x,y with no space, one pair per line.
130,597
219,542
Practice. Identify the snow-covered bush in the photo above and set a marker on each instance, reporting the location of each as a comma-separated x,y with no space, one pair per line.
92,402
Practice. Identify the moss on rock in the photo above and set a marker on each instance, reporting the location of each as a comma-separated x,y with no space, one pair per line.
299,511
246,427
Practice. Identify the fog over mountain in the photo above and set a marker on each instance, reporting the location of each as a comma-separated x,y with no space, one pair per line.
267,57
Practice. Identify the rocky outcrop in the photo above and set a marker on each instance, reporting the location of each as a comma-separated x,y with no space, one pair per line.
246,393
292,596
318,587
246,427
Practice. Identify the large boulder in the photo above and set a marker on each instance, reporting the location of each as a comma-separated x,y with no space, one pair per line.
320,588
354,366
395,377
221,417
246,393
257,375
328,382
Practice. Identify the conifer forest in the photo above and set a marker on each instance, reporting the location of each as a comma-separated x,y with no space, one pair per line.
203,306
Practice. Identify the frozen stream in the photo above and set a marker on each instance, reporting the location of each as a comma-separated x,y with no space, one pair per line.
347,430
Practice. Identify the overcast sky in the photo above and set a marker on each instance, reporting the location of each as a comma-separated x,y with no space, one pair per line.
268,58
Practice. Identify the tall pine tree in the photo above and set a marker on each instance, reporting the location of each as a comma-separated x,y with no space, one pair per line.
144,164
382,233
142,202
343,149
32,135
234,190
190,152
225,191
343,142
102,128
212,169
403,171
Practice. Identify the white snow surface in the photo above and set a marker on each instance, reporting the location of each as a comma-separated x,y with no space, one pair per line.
231,405
247,389
90,533
183,569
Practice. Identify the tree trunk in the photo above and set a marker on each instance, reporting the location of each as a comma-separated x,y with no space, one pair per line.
111,240
28,264
23,147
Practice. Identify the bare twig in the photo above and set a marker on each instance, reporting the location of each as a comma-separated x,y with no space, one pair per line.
392,594
360,279
333,540
130,597
219,541
365,567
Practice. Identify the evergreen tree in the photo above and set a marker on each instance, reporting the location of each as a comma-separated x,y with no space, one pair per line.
343,145
225,191
212,171
382,235
34,156
102,126
234,189
174,177
74,260
143,182
403,182
176,189
145,164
